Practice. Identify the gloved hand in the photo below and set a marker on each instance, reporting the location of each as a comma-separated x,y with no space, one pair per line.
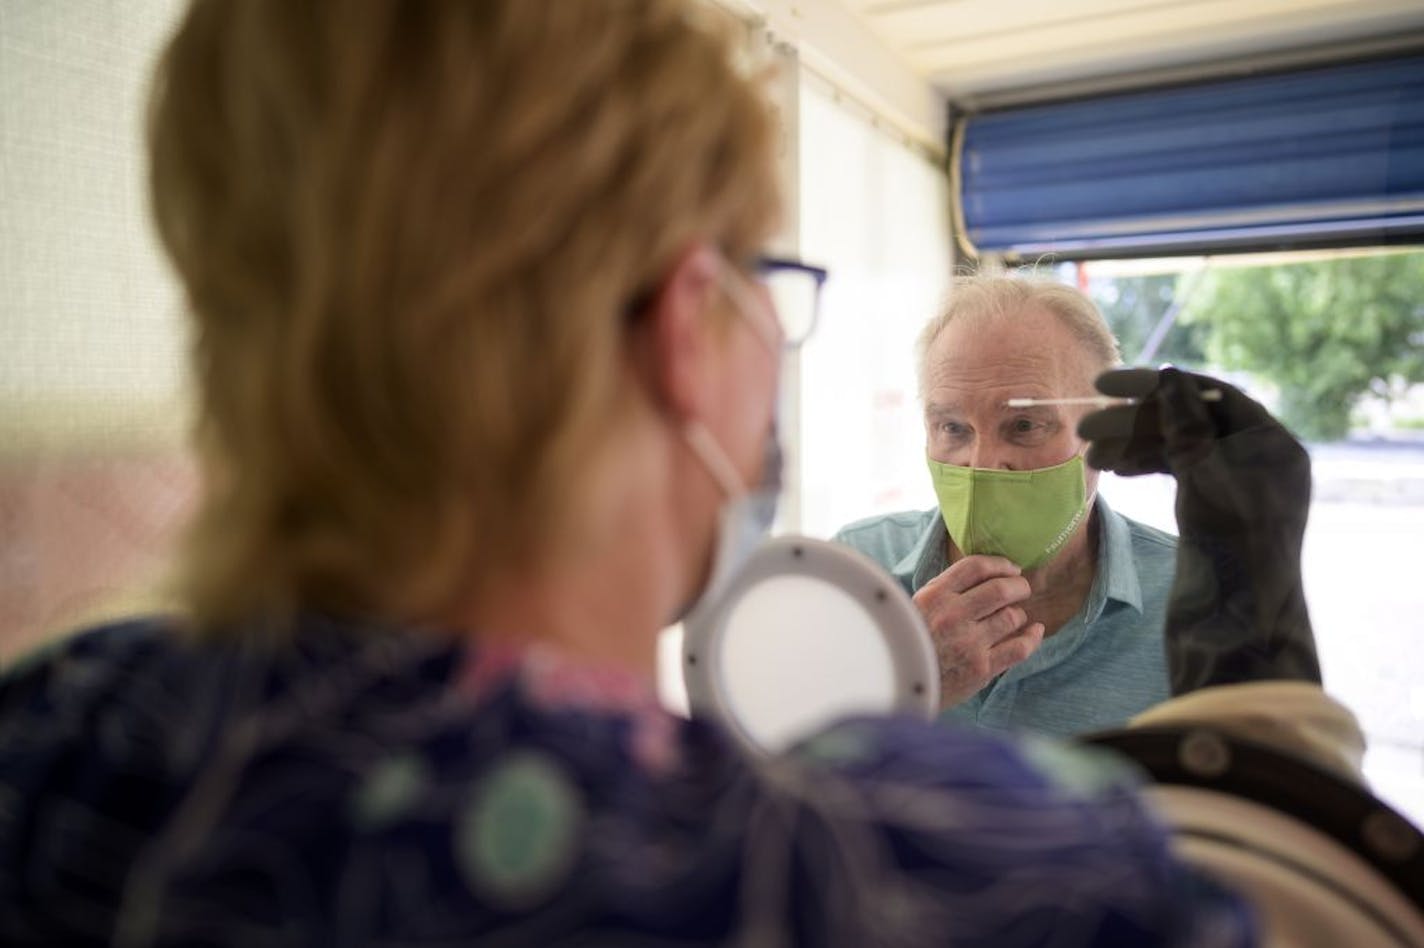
1237,610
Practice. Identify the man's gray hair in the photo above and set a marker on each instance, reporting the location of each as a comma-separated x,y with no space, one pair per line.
996,295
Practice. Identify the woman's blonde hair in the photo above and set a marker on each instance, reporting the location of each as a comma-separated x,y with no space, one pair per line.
982,295
410,233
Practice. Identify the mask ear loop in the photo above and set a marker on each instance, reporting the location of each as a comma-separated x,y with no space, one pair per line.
1089,498
710,453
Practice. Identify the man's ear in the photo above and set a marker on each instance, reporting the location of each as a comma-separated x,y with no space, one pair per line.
677,348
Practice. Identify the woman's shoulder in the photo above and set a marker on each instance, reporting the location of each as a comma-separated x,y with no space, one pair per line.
510,789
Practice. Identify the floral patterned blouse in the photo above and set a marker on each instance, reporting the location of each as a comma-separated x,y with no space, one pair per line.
367,786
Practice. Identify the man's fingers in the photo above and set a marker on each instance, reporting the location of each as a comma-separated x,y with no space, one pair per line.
1014,649
970,571
944,609
994,594
972,652
1000,625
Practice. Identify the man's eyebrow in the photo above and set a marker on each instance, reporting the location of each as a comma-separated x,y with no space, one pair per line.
939,408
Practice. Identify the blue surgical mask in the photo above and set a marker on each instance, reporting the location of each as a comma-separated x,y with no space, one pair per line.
746,515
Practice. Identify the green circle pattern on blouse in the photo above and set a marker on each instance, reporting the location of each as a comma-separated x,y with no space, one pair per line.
390,792
518,836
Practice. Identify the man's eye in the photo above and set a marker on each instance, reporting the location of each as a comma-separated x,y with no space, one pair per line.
1023,425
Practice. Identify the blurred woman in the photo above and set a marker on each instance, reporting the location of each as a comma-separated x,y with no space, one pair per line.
485,373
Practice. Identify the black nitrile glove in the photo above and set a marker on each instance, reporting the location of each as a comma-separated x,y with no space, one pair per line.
1237,610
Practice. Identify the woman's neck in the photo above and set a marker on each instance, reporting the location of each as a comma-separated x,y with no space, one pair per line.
619,575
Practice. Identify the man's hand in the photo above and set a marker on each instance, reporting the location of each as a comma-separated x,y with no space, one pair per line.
1237,610
977,629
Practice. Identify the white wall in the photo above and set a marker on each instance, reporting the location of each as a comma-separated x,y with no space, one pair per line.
90,335
874,210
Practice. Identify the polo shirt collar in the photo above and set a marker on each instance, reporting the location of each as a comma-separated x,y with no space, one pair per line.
927,558
1117,569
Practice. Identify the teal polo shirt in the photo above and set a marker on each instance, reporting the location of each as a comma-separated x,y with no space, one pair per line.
1106,665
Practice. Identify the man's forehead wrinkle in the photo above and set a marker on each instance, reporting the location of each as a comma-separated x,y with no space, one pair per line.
960,409
1025,373
1028,351
964,369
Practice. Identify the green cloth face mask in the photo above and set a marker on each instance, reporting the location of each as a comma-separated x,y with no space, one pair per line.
1025,516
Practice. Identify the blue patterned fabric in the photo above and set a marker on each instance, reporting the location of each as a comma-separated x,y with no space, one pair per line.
371,786
1107,664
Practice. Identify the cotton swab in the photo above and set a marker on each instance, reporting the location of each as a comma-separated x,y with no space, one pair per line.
1207,395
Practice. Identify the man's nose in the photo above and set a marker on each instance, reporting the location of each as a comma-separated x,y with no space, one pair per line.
990,456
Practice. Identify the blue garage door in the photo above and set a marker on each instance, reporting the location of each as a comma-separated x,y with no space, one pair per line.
1319,157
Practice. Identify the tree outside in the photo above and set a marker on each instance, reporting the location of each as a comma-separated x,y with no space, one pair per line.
1326,333
1144,312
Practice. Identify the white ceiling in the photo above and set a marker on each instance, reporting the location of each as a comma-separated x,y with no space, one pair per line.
974,51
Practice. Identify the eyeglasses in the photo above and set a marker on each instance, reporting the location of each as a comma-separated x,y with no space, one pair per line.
795,289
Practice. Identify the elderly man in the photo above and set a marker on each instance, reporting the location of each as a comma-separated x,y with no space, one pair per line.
1046,606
